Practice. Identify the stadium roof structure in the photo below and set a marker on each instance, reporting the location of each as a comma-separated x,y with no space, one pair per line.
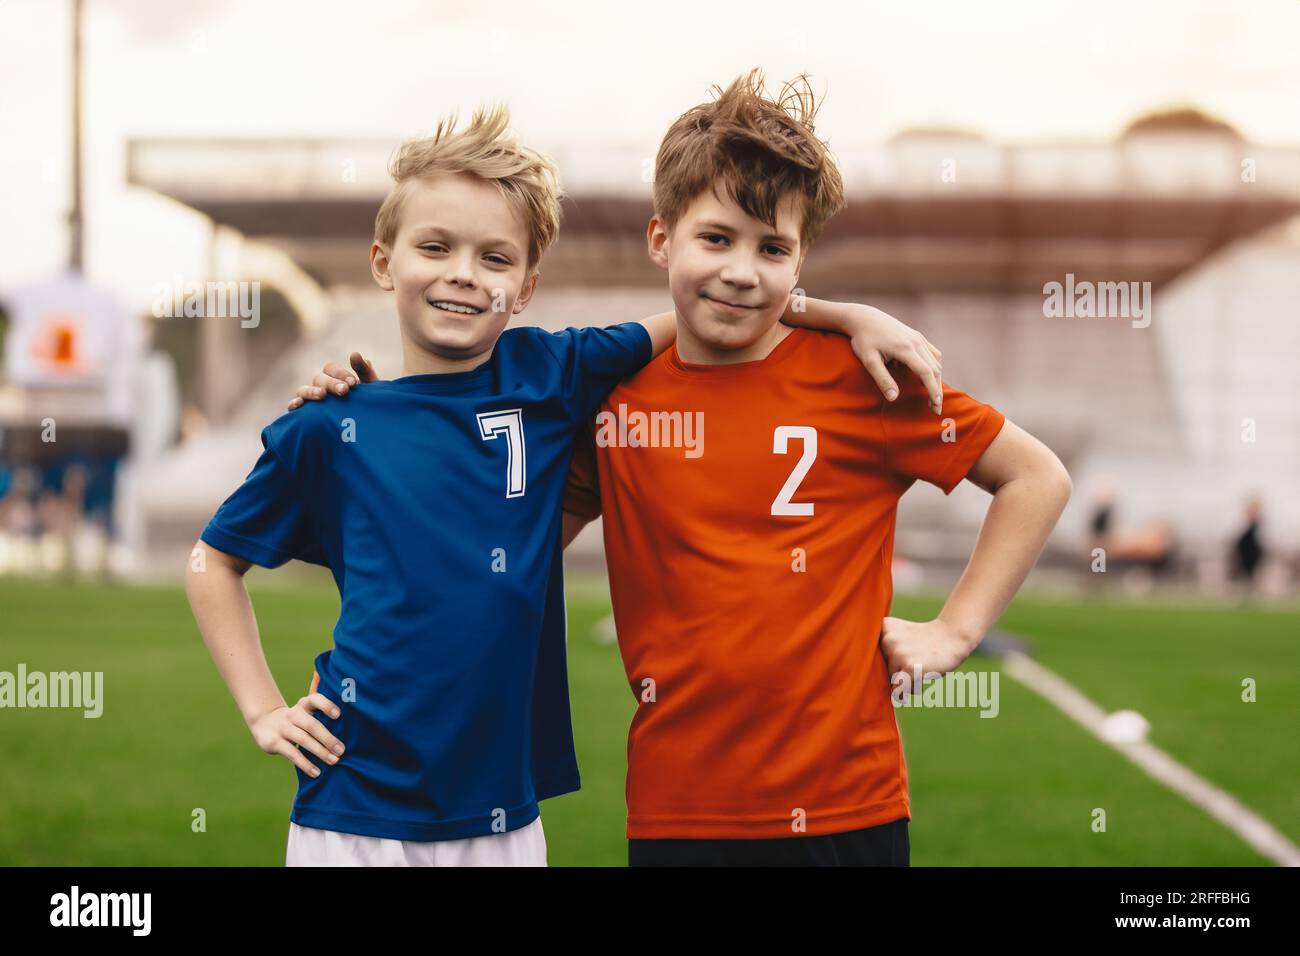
930,210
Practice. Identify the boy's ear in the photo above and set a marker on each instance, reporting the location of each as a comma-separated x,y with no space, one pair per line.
798,269
656,238
526,293
379,267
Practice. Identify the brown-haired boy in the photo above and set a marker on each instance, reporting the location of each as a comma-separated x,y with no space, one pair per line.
750,584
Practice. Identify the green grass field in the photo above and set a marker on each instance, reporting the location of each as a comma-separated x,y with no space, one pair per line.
1016,790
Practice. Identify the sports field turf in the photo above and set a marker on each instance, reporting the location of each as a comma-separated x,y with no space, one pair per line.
1019,789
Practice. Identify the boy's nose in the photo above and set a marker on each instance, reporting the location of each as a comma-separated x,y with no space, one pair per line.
462,272
740,272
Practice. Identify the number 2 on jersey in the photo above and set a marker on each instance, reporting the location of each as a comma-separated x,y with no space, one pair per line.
511,423
780,444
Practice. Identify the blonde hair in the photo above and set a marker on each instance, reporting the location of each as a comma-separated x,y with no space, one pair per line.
528,180
759,147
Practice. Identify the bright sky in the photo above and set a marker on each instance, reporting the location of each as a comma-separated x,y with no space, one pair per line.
580,73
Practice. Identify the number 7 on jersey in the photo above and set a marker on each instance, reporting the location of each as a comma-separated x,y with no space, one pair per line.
510,423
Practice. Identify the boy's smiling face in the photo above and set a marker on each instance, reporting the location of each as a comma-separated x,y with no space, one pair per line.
459,266
730,275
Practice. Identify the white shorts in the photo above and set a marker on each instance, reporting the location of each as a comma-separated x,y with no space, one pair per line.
309,846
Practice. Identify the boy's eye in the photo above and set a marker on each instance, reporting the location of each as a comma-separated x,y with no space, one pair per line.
710,236
775,250
493,257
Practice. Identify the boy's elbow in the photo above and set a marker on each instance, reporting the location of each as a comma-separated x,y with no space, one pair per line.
1059,481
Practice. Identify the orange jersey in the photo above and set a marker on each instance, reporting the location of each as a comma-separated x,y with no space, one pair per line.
749,525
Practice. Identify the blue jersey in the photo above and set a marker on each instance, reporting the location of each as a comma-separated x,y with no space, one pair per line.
435,501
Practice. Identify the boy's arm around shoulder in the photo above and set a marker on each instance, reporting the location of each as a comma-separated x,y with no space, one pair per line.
877,338
662,329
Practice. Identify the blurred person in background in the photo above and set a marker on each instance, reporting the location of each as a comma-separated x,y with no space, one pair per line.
1247,549
66,417
1100,522
1103,513
1142,558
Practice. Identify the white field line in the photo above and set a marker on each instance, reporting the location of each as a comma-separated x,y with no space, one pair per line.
1223,806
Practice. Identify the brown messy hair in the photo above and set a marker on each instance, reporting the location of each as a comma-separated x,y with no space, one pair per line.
527,179
759,147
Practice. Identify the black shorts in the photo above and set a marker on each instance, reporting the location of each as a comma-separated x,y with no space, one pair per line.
884,845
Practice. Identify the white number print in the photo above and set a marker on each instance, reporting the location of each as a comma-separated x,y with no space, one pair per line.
780,443
511,424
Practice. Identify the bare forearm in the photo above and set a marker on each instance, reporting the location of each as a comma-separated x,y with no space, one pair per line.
877,338
808,313
1020,517
225,617
662,329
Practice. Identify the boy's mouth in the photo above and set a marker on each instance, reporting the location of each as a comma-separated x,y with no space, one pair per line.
733,306
459,308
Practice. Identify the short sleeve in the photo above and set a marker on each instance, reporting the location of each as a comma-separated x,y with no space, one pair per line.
940,449
267,519
582,490
593,360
